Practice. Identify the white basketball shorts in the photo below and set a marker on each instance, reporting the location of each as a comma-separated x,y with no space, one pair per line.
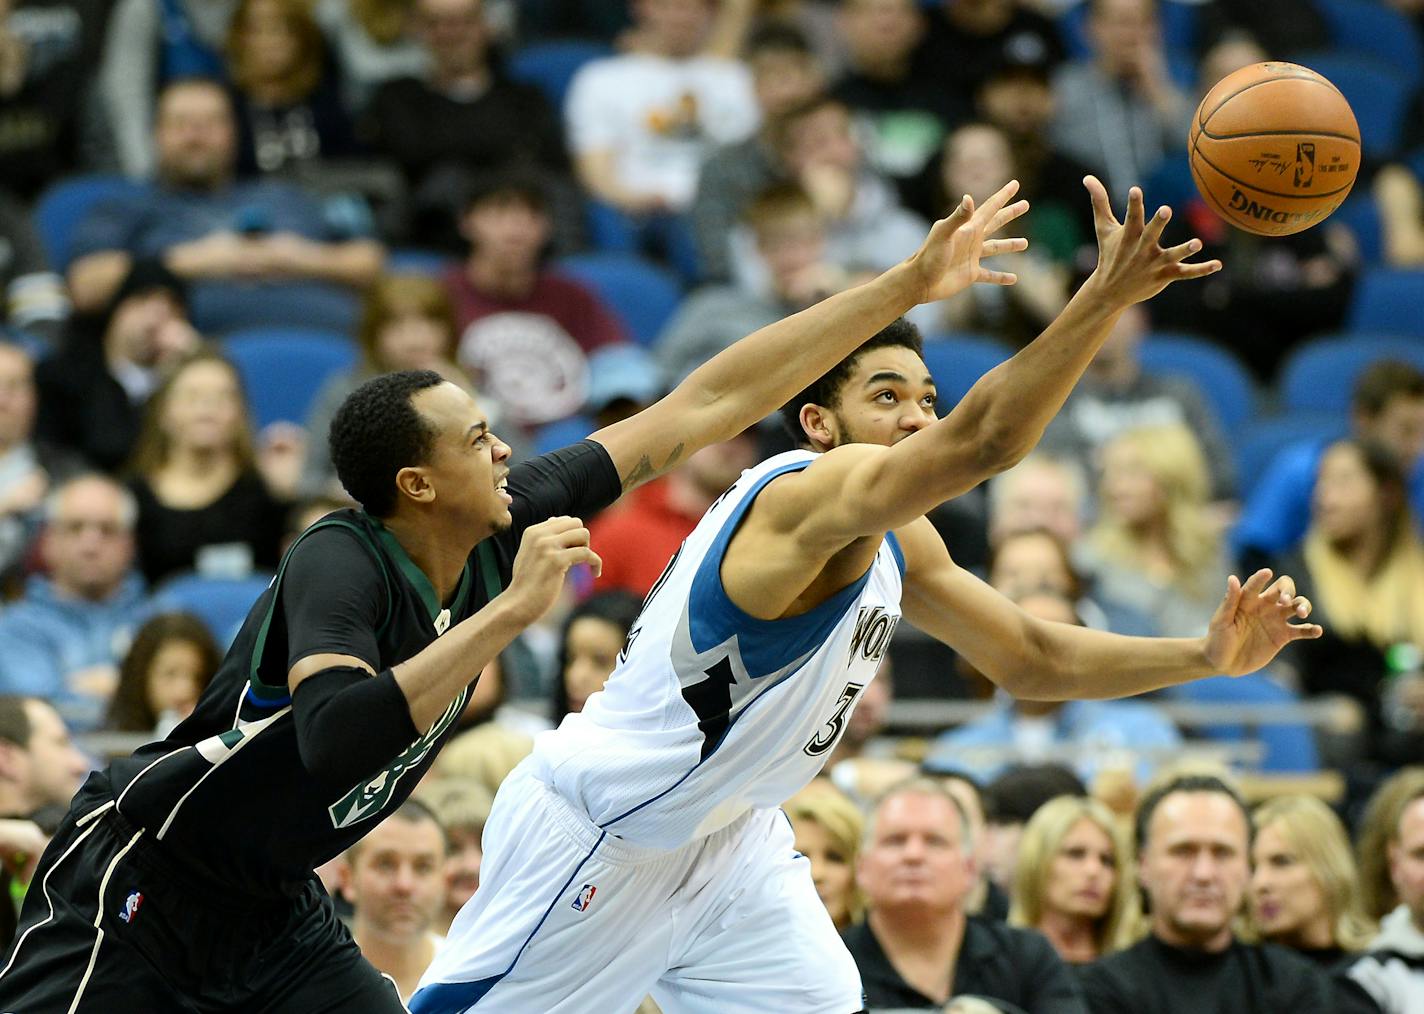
569,919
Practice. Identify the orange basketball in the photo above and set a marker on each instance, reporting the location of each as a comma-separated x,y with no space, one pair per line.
1274,148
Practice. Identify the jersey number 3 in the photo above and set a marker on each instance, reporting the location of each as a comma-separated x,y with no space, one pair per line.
827,734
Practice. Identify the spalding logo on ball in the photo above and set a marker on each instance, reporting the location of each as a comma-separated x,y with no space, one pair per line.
1274,148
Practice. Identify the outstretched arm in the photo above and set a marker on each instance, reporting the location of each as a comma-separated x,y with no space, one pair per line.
763,371
1037,659
861,490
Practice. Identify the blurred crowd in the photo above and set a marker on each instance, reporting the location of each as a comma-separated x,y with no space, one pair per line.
220,217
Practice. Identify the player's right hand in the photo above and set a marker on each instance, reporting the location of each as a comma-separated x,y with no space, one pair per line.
1132,265
949,260
546,552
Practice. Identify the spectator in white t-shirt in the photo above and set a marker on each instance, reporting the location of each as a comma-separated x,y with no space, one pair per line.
641,124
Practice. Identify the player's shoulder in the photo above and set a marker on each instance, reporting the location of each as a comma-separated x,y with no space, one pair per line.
342,541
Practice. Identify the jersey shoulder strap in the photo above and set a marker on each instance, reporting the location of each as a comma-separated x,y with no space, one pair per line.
266,692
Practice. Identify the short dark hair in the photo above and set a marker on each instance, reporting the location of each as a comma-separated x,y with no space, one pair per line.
376,432
826,392
412,811
1185,783
1383,381
1016,795
777,37
15,721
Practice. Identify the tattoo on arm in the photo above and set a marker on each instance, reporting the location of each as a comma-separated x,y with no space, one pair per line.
644,470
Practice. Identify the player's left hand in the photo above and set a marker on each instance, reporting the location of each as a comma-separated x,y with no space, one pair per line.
1254,622
949,260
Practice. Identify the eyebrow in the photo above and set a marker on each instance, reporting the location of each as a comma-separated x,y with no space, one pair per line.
482,426
891,375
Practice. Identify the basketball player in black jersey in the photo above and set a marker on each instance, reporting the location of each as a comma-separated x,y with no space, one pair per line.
181,880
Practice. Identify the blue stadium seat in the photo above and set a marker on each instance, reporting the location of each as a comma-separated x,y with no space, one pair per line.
1360,214
1377,93
551,66
957,361
1376,30
1388,301
1256,445
1223,381
221,603
284,368
65,204
1320,375
1289,747
414,261
642,294
562,432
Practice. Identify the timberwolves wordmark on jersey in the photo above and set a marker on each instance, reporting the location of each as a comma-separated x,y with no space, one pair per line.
712,712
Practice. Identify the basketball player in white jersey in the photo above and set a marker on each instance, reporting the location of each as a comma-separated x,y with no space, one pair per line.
640,848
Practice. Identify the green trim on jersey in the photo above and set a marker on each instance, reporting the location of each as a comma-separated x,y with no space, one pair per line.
417,577
274,693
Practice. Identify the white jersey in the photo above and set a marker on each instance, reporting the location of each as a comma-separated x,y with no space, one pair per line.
711,712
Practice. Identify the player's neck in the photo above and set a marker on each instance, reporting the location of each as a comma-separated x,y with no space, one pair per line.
440,556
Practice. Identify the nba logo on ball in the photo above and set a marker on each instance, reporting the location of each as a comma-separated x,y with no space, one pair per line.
585,898
1241,142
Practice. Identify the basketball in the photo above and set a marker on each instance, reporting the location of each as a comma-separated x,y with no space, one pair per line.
1274,148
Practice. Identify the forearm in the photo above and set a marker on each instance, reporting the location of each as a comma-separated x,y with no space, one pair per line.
1076,663
356,263
94,278
433,677
1017,399
757,375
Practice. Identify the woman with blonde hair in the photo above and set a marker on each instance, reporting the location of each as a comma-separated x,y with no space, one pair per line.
206,501
1305,890
828,827
1074,882
1377,826
1362,566
1155,542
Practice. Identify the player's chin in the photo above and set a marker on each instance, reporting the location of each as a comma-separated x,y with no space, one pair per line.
503,521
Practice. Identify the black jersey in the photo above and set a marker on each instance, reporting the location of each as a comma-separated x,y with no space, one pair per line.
226,792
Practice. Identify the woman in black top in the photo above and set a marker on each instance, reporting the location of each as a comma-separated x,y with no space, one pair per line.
1305,889
203,504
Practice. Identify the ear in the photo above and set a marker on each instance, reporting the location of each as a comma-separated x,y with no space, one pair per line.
819,424
413,482
345,882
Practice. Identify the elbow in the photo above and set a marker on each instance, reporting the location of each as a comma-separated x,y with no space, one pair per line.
1041,670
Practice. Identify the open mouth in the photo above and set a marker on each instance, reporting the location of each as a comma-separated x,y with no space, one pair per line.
502,488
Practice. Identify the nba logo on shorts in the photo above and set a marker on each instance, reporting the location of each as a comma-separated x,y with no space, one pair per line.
131,904
585,898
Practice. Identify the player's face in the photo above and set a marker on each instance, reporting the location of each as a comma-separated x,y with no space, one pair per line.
889,395
468,465
1406,860
1286,899
1194,868
397,880
591,647
831,869
915,858
1082,873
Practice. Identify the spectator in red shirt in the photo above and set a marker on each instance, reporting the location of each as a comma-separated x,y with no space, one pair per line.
636,541
525,330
